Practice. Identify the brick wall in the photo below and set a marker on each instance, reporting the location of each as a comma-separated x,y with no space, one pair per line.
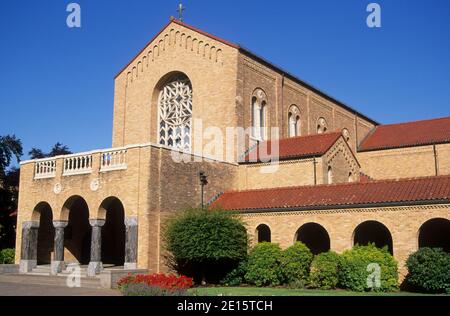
402,222
405,162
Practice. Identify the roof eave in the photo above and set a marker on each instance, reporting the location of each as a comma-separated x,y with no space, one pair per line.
402,146
306,84
340,207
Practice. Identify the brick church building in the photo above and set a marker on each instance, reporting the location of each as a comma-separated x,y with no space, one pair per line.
308,167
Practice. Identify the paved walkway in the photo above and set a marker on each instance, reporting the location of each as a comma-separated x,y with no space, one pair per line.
15,289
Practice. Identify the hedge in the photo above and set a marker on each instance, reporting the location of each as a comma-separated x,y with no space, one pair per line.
325,271
429,270
358,269
263,267
295,263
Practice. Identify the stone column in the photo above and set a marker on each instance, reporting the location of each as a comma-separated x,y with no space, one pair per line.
131,243
28,252
58,260
95,265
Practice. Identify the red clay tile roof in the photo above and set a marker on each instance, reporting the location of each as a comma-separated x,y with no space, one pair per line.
405,191
410,134
295,147
364,177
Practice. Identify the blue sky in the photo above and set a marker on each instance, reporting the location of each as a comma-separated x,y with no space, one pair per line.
57,83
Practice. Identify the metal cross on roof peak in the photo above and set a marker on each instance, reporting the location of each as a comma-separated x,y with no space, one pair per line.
180,11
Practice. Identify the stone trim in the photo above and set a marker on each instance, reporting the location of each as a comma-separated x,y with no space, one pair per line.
30,224
60,224
416,208
97,222
131,221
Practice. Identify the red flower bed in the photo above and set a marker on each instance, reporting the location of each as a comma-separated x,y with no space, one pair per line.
164,281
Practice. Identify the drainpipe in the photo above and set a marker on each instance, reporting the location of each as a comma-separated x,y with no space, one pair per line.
436,168
315,170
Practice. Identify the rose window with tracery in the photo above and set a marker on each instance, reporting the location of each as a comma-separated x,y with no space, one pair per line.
175,114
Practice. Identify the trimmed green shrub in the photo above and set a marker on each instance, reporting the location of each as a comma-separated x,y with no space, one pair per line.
7,256
325,271
429,270
295,263
263,267
204,244
236,277
358,269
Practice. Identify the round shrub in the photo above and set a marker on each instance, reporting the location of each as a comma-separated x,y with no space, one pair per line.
358,271
205,244
295,263
429,270
325,271
263,267
7,256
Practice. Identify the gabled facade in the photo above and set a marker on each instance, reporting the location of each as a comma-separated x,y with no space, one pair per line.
107,207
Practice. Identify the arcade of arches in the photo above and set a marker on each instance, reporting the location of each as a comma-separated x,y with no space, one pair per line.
107,241
320,235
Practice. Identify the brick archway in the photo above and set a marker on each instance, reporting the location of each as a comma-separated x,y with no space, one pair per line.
43,215
315,237
373,232
77,234
113,232
435,233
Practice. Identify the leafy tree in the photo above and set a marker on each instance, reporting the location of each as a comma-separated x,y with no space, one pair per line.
36,153
10,146
204,244
57,150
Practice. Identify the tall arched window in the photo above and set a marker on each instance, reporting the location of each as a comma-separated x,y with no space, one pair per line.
259,114
294,121
330,175
175,113
322,126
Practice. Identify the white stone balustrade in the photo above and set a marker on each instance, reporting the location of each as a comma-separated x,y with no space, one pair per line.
80,164
45,169
113,160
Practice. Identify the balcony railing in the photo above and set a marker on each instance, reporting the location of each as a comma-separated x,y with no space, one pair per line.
45,169
113,160
80,164
77,165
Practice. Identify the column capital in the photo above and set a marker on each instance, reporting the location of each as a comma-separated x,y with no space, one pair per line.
131,221
60,224
97,222
30,224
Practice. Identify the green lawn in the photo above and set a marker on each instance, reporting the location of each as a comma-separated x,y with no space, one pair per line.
252,291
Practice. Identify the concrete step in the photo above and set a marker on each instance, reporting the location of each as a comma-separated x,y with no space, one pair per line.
93,283
46,270
39,273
